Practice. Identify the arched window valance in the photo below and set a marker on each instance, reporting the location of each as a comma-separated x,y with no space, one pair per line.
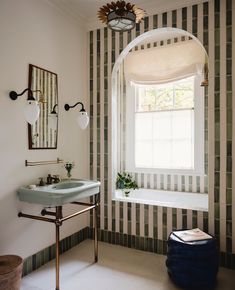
164,63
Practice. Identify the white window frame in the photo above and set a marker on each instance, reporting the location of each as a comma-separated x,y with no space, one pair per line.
198,134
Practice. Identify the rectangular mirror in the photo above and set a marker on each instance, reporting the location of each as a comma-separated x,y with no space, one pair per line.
44,133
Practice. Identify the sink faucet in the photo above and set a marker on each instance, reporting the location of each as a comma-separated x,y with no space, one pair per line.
53,179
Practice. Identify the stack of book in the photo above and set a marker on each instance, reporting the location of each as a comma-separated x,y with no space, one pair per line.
193,235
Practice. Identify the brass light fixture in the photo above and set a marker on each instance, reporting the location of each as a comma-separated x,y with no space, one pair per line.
121,16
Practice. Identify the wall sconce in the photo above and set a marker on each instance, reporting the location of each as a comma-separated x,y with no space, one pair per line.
53,118
83,118
31,110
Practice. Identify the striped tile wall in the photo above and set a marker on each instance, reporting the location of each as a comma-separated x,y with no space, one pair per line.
39,259
147,227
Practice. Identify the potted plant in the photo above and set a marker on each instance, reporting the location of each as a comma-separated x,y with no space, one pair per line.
126,183
69,166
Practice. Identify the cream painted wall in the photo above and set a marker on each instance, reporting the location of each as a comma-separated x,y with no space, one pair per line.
33,31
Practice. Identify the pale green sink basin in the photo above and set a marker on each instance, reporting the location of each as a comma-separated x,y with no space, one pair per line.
67,185
60,193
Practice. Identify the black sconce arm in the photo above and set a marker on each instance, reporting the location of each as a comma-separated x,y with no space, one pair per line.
67,106
53,110
13,95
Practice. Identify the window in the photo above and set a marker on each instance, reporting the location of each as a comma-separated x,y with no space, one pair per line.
165,127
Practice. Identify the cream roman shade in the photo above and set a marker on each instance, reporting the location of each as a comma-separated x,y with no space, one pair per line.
165,63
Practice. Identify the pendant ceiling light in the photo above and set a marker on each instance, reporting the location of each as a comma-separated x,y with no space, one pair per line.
121,16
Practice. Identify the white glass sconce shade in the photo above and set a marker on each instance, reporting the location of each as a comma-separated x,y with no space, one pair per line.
83,120
52,121
31,111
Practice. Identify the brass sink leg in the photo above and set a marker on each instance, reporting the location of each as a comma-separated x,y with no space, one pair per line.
96,228
57,259
57,236
59,219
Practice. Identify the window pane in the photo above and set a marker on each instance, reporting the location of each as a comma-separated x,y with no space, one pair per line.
162,154
143,126
165,140
143,154
146,100
170,96
182,124
162,126
182,156
184,94
164,97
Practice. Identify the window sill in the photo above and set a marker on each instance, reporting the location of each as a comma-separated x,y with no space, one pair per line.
191,172
173,199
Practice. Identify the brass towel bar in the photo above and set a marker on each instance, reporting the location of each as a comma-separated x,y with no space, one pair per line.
36,163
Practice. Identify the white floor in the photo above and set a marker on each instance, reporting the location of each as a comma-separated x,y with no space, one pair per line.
118,268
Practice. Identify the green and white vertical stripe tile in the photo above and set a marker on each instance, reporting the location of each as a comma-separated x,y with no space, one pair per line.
211,117
102,130
222,134
212,22
231,144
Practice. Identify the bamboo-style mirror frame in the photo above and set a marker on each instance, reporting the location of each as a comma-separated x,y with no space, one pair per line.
45,83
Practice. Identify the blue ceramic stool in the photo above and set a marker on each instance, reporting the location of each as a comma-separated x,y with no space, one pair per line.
193,265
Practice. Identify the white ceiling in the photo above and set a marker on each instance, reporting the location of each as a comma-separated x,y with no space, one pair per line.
86,10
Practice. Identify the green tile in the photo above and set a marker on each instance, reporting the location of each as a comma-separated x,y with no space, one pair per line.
217,163
205,24
174,17
217,33
155,21
217,210
184,222
228,196
229,50
222,259
217,227
205,8
137,242
155,232
216,194
229,213
233,261
217,5
164,233
217,148
217,179
229,132
174,221
229,164
159,247
137,229
194,222
164,219
229,34
229,180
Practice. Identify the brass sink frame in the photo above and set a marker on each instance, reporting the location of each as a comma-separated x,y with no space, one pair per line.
59,219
